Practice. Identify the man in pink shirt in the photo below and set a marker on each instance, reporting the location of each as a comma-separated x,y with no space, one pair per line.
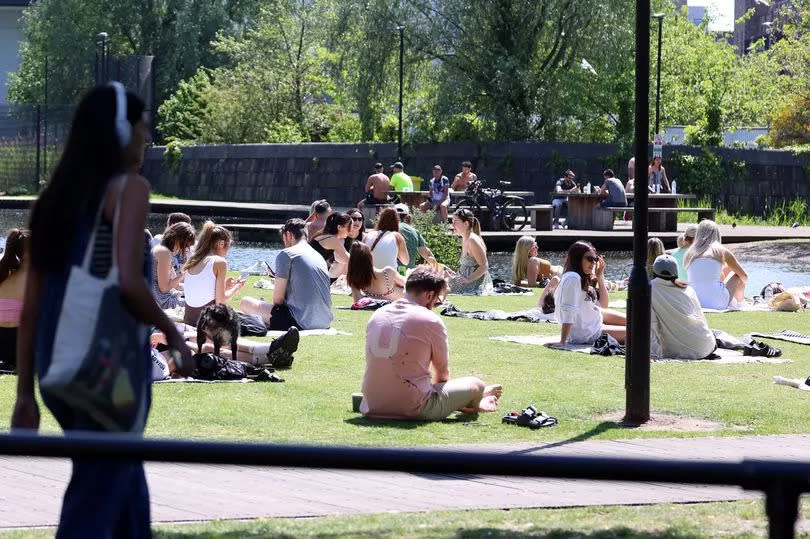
407,352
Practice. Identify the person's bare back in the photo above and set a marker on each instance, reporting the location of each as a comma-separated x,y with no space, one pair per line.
378,186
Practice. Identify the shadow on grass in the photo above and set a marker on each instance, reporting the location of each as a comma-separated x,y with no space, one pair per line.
604,426
611,533
467,419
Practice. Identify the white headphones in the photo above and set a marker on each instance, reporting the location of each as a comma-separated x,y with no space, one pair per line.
123,129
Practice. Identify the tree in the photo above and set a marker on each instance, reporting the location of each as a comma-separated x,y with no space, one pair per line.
177,32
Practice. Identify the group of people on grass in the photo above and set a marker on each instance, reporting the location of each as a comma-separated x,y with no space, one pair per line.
80,220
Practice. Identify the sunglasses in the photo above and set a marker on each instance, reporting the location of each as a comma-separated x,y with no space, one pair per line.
592,259
357,219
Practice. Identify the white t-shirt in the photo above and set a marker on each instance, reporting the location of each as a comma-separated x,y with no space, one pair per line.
573,306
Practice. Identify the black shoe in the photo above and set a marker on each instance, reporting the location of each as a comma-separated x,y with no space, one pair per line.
280,359
287,342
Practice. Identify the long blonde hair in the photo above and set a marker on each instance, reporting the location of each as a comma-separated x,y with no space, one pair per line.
210,234
655,248
707,238
520,259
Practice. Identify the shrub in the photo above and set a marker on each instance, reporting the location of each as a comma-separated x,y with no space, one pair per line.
446,247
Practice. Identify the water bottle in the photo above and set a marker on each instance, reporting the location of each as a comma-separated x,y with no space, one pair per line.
674,187
588,188
657,188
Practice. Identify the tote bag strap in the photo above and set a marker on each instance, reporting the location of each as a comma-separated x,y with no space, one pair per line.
91,243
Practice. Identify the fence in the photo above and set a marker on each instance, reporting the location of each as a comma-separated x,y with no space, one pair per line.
782,482
31,138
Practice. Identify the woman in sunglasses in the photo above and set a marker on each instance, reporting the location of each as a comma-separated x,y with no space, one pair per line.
473,271
581,299
358,229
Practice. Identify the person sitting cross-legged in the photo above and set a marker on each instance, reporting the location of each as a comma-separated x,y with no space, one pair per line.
407,354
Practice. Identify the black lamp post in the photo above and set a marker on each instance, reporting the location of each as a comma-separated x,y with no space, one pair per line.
660,17
401,30
102,47
637,358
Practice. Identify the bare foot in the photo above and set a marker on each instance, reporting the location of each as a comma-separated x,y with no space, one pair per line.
488,404
494,389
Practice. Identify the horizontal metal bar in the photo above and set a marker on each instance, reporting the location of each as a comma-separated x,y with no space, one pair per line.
748,474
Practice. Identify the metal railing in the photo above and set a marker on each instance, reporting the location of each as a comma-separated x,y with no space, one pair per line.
783,482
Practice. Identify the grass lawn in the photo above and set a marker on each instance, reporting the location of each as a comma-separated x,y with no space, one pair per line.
314,405
675,521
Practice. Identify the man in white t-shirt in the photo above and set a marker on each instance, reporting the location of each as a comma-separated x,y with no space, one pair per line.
407,355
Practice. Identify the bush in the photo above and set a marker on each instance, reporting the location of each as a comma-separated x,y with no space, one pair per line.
446,247
704,173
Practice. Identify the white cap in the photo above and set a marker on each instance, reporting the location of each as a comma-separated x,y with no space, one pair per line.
402,208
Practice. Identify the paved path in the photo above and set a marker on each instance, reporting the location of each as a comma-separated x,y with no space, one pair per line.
32,488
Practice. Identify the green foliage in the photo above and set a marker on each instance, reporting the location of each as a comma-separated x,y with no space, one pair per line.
445,246
173,155
703,173
791,123
177,32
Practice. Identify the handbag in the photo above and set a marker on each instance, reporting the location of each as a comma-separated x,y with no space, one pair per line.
98,364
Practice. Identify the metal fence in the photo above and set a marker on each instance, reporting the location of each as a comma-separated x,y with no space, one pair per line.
32,136
782,482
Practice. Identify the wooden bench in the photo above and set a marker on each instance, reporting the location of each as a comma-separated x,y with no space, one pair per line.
703,213
541,216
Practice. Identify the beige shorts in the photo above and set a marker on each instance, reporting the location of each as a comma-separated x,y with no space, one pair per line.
449,397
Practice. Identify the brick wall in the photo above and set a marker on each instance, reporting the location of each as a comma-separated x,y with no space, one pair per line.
300,173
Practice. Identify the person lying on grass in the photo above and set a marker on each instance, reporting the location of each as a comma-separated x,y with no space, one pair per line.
581,299
407,351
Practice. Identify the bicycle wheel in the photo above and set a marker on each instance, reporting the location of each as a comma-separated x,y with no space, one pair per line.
468,203
514,215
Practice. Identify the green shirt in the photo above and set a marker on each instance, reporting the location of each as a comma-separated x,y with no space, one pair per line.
413,241
401,182
678,255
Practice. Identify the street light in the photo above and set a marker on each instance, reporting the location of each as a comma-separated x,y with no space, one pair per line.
401,30
102,40
660,17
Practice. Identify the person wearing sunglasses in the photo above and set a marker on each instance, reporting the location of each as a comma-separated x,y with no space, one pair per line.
358,229
407,354
581,299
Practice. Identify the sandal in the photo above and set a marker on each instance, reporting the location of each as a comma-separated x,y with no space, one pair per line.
530,417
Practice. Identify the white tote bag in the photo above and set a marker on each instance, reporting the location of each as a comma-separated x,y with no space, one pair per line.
98,364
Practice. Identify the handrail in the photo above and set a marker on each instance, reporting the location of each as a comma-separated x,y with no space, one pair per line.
782,481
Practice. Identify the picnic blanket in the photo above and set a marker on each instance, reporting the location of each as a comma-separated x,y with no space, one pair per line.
198,381
744,307
798,383
338,288
726,356
785,335
532,315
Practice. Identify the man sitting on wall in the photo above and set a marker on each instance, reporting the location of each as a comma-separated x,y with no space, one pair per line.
407,352
378,186
399,180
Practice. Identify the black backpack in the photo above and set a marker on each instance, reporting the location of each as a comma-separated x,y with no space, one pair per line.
211,367
251,325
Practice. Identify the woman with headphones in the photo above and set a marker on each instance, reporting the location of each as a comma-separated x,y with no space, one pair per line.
83,202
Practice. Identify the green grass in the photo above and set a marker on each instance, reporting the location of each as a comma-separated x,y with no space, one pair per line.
314,405
663,521
784,214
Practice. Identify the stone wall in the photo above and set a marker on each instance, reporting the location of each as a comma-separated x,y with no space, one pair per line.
300,173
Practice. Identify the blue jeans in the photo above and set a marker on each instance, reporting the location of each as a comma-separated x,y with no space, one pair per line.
105,498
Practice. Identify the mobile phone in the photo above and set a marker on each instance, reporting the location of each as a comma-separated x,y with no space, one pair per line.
244,276
270,271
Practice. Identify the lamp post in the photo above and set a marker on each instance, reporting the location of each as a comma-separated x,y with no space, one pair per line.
102,40
401,30
637,357
660,17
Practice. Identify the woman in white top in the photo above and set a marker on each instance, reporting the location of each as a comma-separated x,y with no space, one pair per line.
207,280
678,329
581,299
718,279
386,243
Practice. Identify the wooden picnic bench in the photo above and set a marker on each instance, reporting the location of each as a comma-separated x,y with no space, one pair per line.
541,216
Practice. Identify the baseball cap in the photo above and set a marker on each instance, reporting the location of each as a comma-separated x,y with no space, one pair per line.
378,165
436,167
666,267
402,209
398,164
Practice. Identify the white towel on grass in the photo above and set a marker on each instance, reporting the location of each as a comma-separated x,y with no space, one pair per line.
726,356
798,383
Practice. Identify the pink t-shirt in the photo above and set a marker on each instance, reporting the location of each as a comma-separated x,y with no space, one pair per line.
402,340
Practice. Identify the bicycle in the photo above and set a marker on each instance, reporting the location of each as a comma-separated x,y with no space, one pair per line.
505,212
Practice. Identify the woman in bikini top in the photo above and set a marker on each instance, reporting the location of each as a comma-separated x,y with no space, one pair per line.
367,281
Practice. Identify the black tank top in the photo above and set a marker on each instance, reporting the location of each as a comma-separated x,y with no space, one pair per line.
327,254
